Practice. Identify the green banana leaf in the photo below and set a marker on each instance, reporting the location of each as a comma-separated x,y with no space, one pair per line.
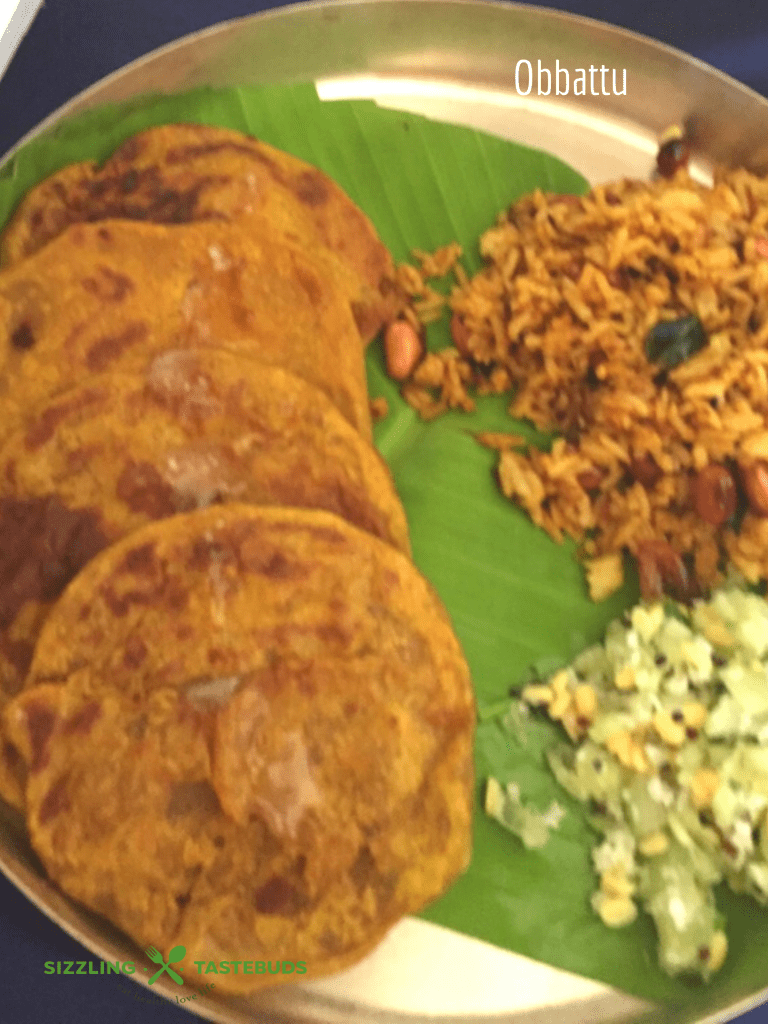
517,599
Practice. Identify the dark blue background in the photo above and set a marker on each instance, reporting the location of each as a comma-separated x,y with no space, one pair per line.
72,44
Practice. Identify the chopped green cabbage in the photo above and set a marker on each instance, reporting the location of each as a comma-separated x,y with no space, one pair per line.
531,826
673,763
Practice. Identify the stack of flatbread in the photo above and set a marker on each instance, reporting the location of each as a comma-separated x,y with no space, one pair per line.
234,715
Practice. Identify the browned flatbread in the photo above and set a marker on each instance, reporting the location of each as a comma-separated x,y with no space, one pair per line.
198,427
249,731
105,296
175,174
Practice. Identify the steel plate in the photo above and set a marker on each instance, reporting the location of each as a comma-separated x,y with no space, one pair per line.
455,61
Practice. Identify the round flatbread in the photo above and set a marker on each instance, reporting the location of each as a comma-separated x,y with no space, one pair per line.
179,173
127,821
293,687
196,428
104,296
